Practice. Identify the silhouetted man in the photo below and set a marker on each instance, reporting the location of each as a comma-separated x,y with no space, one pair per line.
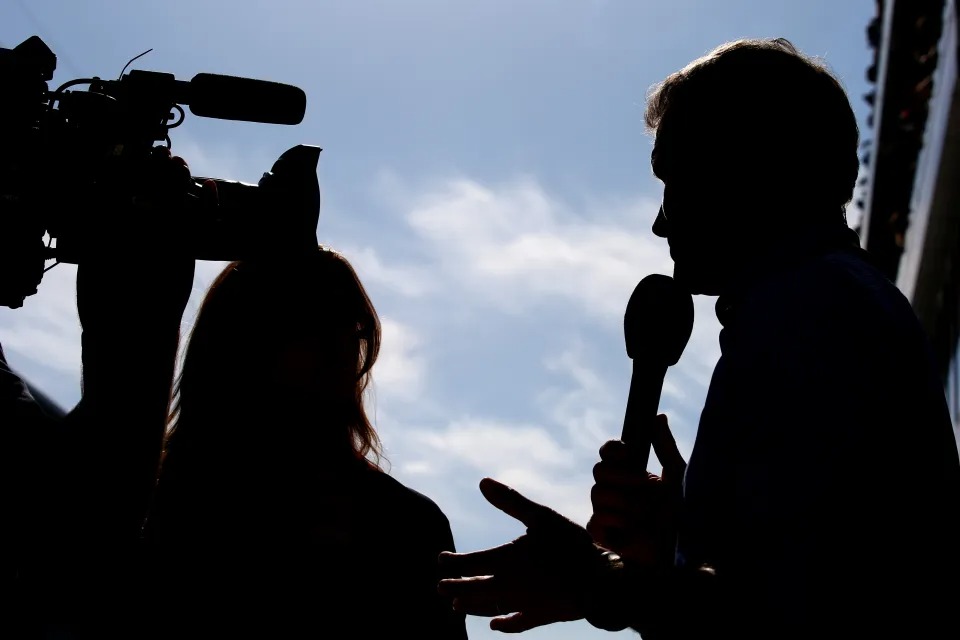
820,496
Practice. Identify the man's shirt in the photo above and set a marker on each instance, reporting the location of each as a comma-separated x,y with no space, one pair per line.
824,480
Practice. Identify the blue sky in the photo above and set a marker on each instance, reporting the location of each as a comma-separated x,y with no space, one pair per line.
486,169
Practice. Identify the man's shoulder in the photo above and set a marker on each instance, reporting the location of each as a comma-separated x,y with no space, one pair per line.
842,289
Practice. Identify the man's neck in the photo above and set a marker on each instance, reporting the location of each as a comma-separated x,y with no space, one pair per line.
791,248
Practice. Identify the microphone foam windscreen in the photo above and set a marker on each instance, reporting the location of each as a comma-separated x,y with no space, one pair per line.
658,320
232,98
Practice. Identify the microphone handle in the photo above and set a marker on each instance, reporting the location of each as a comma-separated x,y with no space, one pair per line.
643,403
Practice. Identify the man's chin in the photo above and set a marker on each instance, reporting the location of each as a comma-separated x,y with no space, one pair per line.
696,282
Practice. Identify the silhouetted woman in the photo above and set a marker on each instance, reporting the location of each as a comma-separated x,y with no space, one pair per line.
272,515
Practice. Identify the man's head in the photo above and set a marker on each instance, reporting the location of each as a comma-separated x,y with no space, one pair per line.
756,145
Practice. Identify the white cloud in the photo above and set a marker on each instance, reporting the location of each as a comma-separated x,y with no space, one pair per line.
213,161
497,254
524,455
589,411
406,280
511,247
549,458
400,368
496,446
517,246
46,329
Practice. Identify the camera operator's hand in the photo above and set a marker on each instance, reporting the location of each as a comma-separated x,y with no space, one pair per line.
636,513
139,270
548,575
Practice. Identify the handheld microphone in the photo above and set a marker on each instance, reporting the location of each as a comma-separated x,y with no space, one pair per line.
657,324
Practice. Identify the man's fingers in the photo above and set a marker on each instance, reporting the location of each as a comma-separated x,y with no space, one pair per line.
470,587
602,523
483,607
515,623
512,623
665,447
620,475
516,505
618,499
614,451
478,563
485,596
475,596
620,453
605,529
524,621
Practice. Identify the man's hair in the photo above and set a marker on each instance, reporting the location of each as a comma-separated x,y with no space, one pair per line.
779,115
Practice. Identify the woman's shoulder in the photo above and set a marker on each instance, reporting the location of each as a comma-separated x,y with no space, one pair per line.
402,496
399,490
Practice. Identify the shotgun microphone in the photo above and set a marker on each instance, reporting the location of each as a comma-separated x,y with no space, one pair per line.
657,324
213,95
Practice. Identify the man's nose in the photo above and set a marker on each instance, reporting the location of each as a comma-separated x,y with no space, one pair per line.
660,225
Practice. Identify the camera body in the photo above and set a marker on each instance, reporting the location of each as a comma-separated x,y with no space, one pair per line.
72,166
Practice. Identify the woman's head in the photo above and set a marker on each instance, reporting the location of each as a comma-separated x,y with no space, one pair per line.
285,345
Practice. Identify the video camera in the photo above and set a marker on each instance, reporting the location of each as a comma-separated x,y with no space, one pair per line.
71,162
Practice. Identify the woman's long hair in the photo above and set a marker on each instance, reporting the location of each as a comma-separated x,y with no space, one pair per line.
221,424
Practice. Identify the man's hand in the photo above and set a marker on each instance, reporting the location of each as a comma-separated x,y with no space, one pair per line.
544,576
635,513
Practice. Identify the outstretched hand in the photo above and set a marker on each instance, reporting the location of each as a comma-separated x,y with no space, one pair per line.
542,577
636,513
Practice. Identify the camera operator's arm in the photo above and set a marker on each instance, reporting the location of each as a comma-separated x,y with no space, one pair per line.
130,339
130,316
87,478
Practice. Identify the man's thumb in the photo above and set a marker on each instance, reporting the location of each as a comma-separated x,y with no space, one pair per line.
665,447
518,506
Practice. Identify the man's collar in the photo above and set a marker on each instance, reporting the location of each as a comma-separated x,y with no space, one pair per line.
805,246
726,307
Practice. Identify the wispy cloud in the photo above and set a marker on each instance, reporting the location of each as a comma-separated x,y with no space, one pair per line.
219,160
401,366
498,254
517,247
411,281
46,329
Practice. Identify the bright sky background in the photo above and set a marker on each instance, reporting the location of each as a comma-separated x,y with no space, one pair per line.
486,169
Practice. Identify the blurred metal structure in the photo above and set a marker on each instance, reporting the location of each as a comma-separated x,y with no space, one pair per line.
911,200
